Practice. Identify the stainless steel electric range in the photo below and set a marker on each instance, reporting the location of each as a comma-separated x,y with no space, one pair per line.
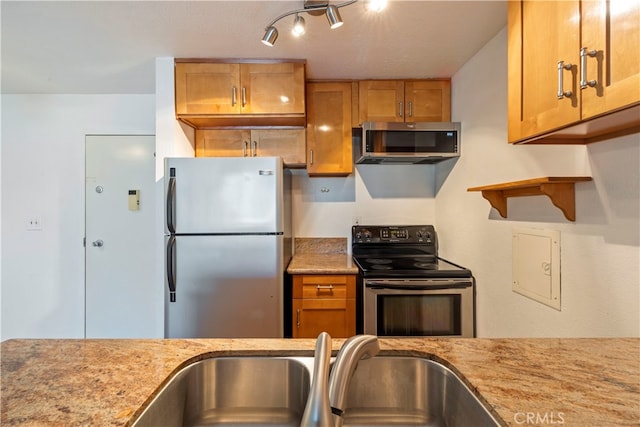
408,290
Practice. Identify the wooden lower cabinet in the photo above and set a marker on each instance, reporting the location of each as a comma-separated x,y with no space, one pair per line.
324,303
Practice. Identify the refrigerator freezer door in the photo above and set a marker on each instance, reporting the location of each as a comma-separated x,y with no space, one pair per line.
225,287
223,195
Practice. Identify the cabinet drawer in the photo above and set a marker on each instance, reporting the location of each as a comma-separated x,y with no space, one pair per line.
324,286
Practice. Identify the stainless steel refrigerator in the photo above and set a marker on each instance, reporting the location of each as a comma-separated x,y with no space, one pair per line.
227,243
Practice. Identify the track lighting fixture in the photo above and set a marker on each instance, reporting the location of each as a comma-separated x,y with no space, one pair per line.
315,7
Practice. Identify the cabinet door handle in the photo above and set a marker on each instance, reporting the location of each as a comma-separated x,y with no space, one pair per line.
254,148
298,318
234,100
583,68
310,157
244,96
320,287
400,108
561,92
410,109
244,148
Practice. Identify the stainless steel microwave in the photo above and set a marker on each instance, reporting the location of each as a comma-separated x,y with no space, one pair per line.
408,143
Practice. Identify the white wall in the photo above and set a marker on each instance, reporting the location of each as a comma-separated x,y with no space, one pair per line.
376,194
599,252
43,139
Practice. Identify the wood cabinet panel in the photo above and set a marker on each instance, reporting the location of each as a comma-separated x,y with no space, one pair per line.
534,106
206,88
290,144
323,303
332,316
273,88
329,129
612,30
222,143
428,100
381,100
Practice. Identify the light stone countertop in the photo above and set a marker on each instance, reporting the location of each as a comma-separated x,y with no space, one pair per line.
322,264
568,381
327,255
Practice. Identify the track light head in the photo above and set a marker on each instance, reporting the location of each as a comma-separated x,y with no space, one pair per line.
270,36
298,26
333,16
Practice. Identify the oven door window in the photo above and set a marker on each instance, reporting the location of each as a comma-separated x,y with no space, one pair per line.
419,315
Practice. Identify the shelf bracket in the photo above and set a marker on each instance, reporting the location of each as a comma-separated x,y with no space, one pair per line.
497,199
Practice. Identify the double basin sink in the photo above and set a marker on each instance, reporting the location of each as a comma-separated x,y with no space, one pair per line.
272,391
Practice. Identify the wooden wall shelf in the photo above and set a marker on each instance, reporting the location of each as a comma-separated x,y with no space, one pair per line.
560,189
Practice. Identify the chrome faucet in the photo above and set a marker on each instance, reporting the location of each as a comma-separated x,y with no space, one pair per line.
352,351
325,404
317,412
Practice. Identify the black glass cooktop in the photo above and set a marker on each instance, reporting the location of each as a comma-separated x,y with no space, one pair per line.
408,266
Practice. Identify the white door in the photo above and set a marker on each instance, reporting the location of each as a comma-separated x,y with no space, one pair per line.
120,236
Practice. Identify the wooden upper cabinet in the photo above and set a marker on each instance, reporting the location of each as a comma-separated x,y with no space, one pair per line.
290,144
404,100
286,143
210,94
272,88
223,143
541,34
207,88
427,100
612,30
329,144
381,100
546,101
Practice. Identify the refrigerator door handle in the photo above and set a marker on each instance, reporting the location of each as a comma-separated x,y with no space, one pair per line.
171,274
171,201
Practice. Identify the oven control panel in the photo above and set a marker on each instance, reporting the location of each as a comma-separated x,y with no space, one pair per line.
422,234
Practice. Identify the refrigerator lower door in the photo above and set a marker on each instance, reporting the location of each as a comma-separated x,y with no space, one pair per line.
225,286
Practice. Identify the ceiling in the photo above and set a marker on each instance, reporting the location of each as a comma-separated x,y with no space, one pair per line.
89,47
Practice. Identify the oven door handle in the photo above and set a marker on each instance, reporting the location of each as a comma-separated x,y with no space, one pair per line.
423,287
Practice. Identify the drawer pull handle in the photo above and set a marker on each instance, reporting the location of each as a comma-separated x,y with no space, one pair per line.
329,287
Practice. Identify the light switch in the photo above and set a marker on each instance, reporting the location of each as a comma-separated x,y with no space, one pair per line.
536,265
134,200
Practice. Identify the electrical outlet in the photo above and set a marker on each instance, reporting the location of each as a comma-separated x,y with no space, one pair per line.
357,220
34,223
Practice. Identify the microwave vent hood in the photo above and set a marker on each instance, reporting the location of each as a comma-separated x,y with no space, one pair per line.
407,143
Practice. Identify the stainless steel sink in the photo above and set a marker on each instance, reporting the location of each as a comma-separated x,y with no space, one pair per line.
233,391
272,391
411,391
